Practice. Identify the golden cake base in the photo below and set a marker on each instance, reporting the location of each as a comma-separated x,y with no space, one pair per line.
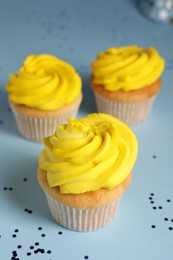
35,124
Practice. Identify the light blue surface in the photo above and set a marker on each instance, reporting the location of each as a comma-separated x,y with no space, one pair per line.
76,31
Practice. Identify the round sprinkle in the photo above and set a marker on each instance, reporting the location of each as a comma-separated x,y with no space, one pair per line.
14,253
170,228
49,252
151,201
153,226
39,228
152,194
86,257
16,230
14,235
154,207
42,251
43,235
168,200
160,207
29,253
25,179
10,188
19,246
31,247
5,188
28,210
154,156
171,220
36,243
166,219
60,233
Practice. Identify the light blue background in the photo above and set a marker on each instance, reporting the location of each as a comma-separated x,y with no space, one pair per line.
76,31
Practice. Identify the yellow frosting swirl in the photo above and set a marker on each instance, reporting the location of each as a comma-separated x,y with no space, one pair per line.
127,68
44,82
97,151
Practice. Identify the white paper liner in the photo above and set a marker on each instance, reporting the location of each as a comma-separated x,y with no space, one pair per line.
36,129
130,113
83,220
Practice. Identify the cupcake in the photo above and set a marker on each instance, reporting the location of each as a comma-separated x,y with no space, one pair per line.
85,168
45,92
126,81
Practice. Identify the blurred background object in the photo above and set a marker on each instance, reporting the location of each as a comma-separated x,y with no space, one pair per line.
160,11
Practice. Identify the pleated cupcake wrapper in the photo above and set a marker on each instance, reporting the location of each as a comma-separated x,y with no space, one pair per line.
83,220
130,113
36,129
